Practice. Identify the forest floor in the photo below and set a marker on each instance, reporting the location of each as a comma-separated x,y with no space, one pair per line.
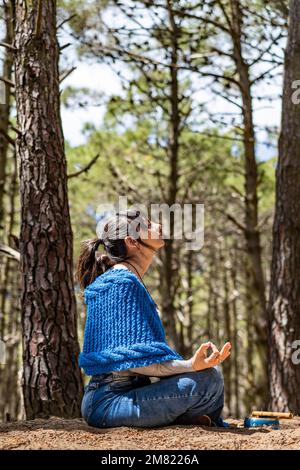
58,433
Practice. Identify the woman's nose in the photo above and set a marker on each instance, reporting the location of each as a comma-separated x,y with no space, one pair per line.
156,227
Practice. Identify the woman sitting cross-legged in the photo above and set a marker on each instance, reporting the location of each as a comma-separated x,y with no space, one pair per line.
125,342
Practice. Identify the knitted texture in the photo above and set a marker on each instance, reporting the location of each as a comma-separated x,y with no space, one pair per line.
123,328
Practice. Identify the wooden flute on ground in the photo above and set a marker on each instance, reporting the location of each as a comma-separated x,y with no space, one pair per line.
272,414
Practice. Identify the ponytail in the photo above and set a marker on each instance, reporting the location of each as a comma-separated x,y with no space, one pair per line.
90,265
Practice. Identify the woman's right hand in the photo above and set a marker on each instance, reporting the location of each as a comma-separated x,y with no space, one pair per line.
200,361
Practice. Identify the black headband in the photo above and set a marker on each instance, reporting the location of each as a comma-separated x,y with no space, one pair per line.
96,245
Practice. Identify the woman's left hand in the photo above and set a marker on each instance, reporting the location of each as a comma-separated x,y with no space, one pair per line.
200,361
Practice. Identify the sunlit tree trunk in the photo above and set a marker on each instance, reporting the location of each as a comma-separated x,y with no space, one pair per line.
52,383
284,315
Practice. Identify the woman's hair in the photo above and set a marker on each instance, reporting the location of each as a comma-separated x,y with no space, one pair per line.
90,264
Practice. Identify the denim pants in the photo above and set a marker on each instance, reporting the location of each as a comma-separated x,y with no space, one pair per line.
112,401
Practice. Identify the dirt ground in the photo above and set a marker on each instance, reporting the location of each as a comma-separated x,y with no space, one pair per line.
57,433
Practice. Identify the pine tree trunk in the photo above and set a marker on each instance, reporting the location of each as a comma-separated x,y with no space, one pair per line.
284,317
170,265
10,328
250,397
256,282
190,303
236,381
7,192
227,366
52,383
5,110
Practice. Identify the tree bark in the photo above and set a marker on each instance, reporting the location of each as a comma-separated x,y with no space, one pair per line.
236,381
10,326
227,366
256,282
170,266
284,317
5,108
52,383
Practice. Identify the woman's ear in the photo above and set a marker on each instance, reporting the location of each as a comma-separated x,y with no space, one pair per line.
131,242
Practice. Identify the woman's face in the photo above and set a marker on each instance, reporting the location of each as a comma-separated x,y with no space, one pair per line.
151,233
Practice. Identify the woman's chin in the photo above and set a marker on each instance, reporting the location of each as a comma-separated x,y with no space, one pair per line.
158,243
162,243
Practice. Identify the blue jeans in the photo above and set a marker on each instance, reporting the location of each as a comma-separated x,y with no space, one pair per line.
136,401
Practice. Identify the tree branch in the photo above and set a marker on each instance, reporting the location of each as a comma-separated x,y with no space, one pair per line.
8,46
7,137
10,252
66,20
238,224
15,129
262,75
66,74
7,81
85,169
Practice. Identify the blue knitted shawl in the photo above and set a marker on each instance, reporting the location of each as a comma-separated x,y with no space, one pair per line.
123,328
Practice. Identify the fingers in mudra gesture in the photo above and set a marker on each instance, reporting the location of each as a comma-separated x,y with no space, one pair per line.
201,361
